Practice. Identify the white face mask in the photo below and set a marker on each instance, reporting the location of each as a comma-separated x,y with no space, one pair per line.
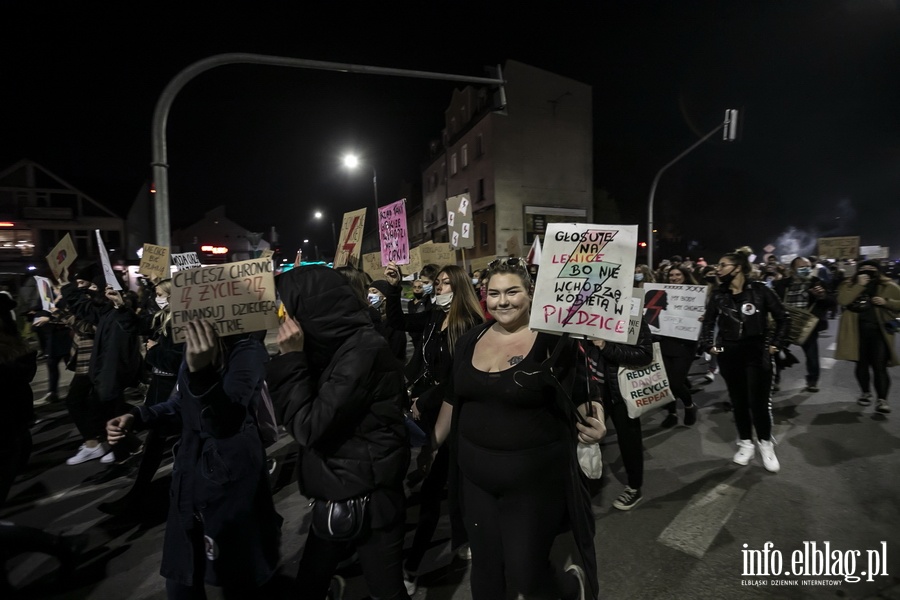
444,300
427,288
376,300
475,281
162,302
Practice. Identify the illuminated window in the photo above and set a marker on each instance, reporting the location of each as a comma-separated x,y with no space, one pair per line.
17,242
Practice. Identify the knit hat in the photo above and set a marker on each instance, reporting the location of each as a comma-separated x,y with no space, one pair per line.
382,286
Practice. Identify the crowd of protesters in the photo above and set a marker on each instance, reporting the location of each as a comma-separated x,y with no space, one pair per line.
475,387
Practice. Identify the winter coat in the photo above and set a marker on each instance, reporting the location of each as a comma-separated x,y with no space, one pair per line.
848,329
219,475
614,355
342,398
116,360
734,321
817,306
18,364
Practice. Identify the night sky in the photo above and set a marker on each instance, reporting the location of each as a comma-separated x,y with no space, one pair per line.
818,84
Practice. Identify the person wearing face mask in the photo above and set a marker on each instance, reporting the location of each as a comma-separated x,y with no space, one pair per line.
643,275
869,300
802,289
745,345
164,358
678,355
456,310
396,338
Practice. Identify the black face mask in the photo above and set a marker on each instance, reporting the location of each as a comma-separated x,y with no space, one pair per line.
710,278
727,279
418,295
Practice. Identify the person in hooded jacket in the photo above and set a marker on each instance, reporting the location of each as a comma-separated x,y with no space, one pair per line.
396,339
222,527
341,394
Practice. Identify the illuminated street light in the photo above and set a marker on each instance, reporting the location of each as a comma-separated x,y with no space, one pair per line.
351,161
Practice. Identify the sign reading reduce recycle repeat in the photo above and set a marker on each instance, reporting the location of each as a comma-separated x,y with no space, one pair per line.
235,298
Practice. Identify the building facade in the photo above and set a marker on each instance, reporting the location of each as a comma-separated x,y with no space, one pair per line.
523,167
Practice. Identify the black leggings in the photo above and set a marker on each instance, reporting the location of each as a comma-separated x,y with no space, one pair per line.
874,355
677,370
514,506
746,366
630,440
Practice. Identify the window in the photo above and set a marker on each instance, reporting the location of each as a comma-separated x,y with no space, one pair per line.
480,195
479,146
483,230
465,156
433,180
16,242
453,168
443,172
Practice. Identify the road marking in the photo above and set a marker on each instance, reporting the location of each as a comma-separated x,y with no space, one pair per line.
827,363
693,530
832,347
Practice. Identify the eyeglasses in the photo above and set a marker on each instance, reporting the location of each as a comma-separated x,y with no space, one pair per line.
512,261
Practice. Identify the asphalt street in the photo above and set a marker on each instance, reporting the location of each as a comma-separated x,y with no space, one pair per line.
702,520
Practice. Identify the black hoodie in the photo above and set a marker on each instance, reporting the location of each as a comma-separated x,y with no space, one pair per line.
342,397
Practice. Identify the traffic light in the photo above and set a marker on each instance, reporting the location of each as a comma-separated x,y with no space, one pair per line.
730,128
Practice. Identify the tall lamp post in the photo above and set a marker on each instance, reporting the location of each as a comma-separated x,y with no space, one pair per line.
351,161
729,126
320,215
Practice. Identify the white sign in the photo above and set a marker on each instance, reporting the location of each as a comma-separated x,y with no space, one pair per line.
635,316
186,260
46,292
108,274
585,282
874,251
674,310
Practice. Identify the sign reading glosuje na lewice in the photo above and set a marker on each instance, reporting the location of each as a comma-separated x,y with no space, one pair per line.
235,297
585,282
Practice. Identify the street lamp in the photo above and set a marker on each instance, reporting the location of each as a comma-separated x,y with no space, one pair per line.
319,215
351,161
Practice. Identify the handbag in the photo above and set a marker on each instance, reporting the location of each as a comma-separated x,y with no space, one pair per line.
645,388
861,303
803,323
340,520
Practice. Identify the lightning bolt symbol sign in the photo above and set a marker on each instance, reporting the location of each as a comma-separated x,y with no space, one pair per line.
653,305
584,263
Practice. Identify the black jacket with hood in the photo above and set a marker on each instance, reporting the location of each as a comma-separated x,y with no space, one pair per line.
342,397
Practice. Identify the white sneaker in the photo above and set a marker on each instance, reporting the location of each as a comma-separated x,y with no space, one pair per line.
85,454
883,406
578,572
409,582
745,452
464,552
767,451
109,457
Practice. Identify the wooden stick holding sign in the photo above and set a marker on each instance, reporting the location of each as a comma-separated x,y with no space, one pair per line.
234,297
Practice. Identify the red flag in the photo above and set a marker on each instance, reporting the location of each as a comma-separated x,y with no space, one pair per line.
534,254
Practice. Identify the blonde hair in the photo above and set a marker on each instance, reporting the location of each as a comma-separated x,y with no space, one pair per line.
162,319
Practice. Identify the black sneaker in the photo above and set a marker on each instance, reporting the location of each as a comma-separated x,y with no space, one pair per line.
670,421
811,388
690,414
865,399
628,499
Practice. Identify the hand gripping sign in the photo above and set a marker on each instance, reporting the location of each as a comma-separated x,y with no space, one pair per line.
235,297
585,283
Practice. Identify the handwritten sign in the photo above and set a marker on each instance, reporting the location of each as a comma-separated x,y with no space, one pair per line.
839,247
186,260
235,297
372,265
635,316
350,243
62,255
459,222
392,233
438,254
586,280
674,310
155,261
108,274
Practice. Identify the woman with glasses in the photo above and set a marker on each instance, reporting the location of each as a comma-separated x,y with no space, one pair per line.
515,442
455,310
745,347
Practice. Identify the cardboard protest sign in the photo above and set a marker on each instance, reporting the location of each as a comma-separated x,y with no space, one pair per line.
108,274
839,247
186,260
415,262
674,310
875,251
350,243
439,254
235,297
155,262
585,282
459,222
267,253
635,316
45,291
62,255
393,234
372,265
481,263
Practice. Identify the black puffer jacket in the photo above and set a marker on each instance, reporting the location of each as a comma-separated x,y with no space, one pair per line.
342,398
